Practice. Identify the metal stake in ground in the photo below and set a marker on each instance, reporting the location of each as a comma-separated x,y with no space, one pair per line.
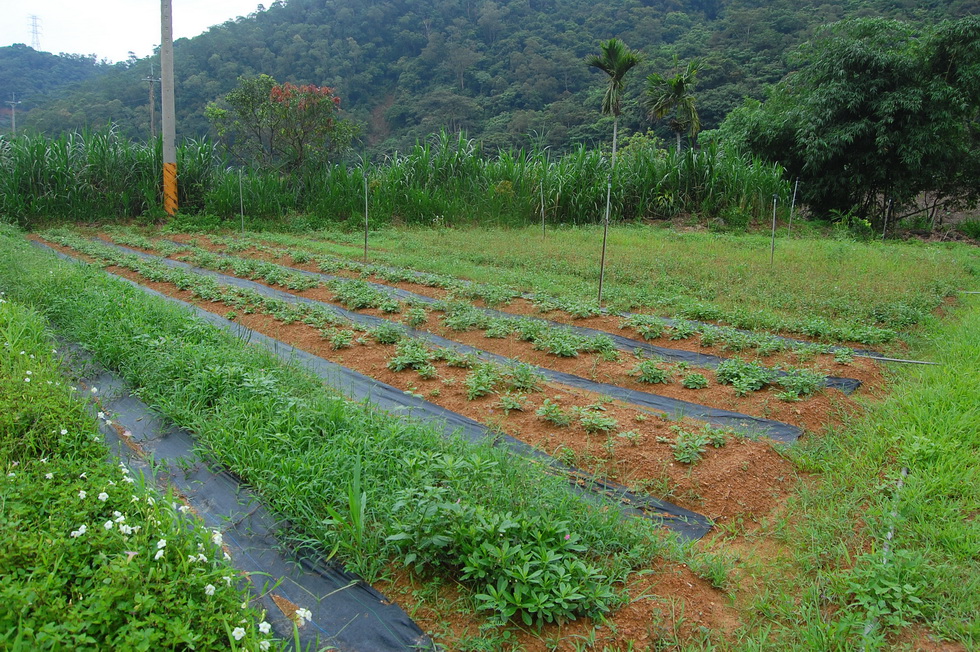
364,170
542,208
772,248
241,200
605,234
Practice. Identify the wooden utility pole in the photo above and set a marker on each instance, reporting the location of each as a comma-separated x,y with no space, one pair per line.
167,108
13,102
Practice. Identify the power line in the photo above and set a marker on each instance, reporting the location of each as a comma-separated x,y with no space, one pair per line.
153,81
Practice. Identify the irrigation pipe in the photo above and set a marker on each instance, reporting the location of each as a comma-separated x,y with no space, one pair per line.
886,548
884,359
687,524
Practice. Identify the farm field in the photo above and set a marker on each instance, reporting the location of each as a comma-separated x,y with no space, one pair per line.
745,396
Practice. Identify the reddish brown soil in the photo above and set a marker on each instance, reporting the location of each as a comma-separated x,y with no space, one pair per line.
742,483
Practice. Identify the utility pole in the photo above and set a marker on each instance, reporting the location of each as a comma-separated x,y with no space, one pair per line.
153,103
167,107
13,102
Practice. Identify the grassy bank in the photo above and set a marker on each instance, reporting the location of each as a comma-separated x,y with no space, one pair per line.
888,539
92,557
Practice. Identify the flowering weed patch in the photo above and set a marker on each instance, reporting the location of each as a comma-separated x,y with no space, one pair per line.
91,556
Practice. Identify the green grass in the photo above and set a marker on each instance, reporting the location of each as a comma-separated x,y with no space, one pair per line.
831,288
930,572
302,447
92,557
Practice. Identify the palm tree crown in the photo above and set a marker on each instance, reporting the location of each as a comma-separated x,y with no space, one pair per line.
616,60
675,95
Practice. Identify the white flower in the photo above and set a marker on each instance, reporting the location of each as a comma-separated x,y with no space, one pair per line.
161,544
11,475
150,501
48,476
125,529
227,579
94,390
209,589
227,557
44,460
108,525
128,479
102,415
158,555
103,496
108,422
27,380
64,431
82,494
202,558
303,615
30,373
120,518
82,529
82,475
183,509
264,645
216,537
265,627
238,633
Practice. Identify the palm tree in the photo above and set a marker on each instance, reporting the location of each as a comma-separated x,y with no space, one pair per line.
675,95
615,60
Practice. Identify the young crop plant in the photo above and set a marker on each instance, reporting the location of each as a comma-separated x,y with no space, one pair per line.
387,333
551,412
511,401
744,376
562,342
648,326
650,371
416,316
524,377
595,421
412,354
461,316
454,358
799,383
694,381
689,446
682,330
482,380
340,339
844,356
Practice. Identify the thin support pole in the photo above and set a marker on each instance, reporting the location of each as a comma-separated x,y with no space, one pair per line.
605,235
885,227
542,209
772,248
241,199
365,214
792,206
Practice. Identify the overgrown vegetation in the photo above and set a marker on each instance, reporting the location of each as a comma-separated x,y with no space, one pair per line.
92,554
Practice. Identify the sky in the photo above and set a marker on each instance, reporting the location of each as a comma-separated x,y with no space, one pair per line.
110,29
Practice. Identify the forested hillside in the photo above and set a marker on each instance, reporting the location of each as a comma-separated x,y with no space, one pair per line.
505,71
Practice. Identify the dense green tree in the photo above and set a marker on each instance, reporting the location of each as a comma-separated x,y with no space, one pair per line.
879,113
281,125
674,96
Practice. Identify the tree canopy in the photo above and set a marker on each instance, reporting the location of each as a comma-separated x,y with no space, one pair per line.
281,125
880,112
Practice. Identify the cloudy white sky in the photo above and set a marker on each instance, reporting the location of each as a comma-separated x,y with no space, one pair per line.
110,29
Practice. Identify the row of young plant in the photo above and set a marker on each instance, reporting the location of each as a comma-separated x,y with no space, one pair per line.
445,180
461,316
93,556
298,249
349,478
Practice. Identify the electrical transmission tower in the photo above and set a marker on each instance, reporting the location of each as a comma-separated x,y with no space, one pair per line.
35,33
153,81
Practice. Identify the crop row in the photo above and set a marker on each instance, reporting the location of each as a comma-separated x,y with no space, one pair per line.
678,306
237,399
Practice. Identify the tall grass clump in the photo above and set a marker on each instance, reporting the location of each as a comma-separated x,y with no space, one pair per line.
345,476
94,175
